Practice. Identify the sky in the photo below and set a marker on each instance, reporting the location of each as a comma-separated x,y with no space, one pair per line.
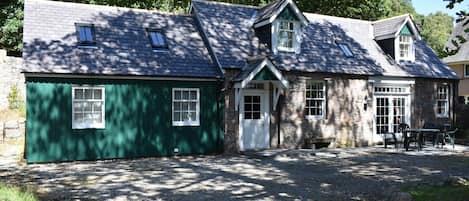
426,7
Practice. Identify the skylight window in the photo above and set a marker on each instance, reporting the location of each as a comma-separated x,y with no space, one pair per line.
346,50
86,34
157,39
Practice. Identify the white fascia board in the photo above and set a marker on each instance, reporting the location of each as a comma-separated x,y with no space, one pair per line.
412,26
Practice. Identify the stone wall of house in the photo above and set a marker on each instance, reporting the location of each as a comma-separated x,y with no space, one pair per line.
424,102
231,140
10,74
347,121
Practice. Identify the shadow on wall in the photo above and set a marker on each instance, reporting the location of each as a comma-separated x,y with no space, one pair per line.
137,113
346,122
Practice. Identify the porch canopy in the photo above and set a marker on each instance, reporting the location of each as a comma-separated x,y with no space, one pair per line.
260,69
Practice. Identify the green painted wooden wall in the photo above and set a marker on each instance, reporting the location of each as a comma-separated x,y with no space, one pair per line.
137,121
265,74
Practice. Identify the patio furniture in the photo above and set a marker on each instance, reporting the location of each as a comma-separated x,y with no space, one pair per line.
389,136
447,136
420,135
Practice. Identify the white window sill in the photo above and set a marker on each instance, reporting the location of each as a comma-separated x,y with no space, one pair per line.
314,118
284,49
442,116
186,123
88,126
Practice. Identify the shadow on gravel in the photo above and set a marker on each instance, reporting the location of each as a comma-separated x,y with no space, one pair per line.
282,176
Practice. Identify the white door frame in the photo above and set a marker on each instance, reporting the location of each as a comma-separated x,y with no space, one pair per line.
265,98
406,95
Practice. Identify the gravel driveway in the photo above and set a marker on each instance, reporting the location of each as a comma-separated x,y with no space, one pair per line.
335,174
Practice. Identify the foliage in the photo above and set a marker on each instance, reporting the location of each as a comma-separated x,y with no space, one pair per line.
12,193
462,16
436,30
435,27
11,25
14,98
456,191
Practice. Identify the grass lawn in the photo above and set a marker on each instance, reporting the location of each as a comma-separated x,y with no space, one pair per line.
458,191
13,193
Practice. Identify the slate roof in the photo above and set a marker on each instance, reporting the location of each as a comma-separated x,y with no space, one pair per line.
250,66
387,28
228,28
463,53
122,44
268,10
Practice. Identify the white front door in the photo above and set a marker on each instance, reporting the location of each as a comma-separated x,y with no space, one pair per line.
254,120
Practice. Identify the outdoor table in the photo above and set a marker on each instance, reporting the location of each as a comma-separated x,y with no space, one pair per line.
419,132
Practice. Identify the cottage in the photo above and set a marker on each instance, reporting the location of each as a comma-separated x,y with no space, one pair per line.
341,80
106,82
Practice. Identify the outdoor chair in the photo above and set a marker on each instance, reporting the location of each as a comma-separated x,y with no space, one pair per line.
447,136
412,137
429,136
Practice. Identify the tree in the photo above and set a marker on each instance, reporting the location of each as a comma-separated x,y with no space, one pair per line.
11,26
436,30
462,16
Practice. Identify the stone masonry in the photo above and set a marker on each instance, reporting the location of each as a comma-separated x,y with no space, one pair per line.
10,74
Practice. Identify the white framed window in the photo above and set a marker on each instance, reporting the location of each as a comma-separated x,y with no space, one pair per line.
406,51
315,99
466,100
466,70
442,101
186,107
88,107
286,35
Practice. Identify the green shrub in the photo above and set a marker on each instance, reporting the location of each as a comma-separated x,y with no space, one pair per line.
14,99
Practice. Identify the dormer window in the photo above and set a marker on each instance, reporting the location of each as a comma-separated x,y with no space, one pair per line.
286,33
85,34
157,39
406,47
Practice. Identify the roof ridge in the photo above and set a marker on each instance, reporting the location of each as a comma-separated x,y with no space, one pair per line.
390,18
118,8
337,17
227,4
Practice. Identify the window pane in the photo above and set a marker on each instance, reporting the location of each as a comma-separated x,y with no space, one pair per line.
87,106
256,107
78,117
185,106
193,95
177,116
193,116
82,33
78,106
256,115
89,35
177,95
79,94
185,95
97,107
160,39
88,94
177,106
97,94
193,106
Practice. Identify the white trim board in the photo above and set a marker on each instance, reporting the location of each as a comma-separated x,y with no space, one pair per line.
295,9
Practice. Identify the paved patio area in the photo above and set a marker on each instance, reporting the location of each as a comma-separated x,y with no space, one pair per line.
371,173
